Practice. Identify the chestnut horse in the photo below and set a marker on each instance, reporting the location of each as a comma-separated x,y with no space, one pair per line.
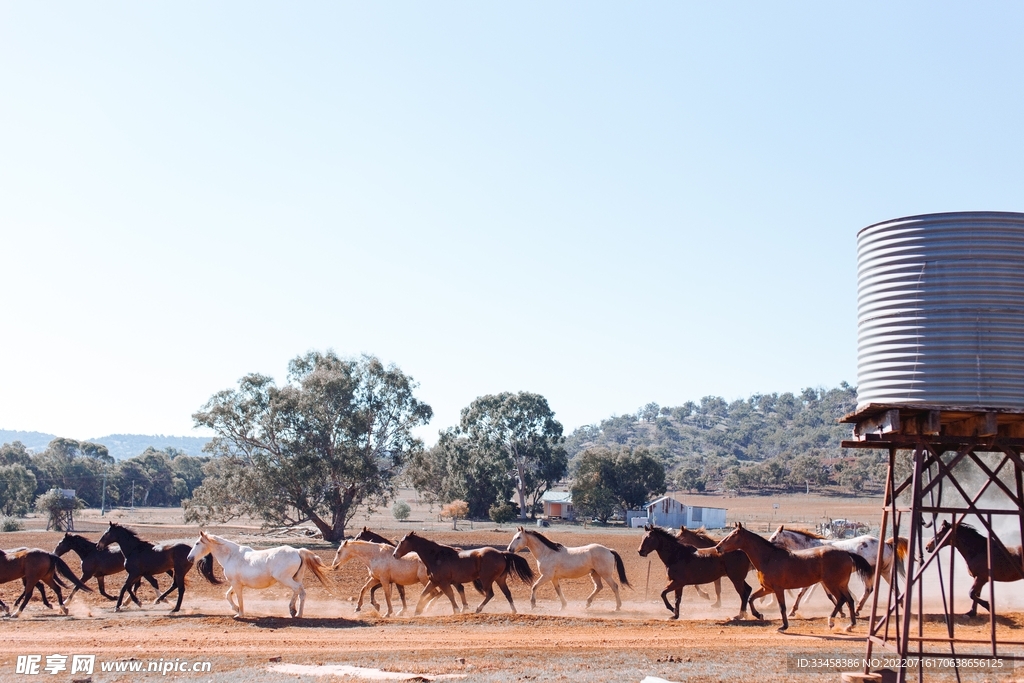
447,566
688,566
34,566
779,569
1006,561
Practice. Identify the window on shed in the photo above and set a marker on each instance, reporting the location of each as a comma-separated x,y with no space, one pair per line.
698,514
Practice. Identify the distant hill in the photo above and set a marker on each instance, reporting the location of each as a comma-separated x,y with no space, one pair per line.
124,446
120,446
34,441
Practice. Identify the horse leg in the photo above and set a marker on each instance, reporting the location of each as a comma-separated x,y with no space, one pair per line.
462,594
103,588
229,595
780,595
679,598
664,596
488,594
975,593
124,589
558,592
759,593
503,585
385,585
701,592
597,586
803,591
373,584
425,596
60,598
401,594
533,590
179,581
718,592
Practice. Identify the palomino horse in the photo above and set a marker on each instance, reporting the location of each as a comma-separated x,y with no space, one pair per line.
373,584
893,550
447,566
779,569
385,569
142,558
98,563
699,538
555,561
1006,561
259,569
688,566
34,566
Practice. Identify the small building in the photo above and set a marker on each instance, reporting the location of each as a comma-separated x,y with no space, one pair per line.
669,512
558,505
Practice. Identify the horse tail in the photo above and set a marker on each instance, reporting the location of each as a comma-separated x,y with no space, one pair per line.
518,566
863,567
621,569
65,570
899,547
313,563
205,565
479,586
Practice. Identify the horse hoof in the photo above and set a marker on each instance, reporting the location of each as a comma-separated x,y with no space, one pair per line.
848,628
782,629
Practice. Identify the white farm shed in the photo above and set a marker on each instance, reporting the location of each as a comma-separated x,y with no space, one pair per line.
669,512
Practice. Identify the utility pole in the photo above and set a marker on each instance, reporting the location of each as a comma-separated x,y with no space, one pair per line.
103,495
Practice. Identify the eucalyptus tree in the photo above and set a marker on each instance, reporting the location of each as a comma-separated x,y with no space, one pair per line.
332,439
521,429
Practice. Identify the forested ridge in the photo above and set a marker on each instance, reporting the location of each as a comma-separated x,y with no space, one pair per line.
773,442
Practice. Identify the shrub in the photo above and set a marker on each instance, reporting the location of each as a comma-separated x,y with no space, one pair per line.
455,510
401,510
11,524
500,513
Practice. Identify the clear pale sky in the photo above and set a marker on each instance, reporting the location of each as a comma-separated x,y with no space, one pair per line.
605,203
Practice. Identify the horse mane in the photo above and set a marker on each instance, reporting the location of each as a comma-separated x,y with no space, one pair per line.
132,535
433,546
545,540
373,537
808,534
699,533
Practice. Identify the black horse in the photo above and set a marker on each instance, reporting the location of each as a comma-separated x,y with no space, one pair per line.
689,566
142,558
99,563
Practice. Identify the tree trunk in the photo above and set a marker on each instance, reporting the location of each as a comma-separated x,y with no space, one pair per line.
520,489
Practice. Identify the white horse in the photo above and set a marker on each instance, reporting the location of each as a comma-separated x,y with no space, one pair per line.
384,567
895,549
555,561
248,568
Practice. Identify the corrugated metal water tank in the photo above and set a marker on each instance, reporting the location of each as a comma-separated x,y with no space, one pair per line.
940,310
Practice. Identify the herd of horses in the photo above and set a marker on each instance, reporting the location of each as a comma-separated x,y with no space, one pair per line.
789,560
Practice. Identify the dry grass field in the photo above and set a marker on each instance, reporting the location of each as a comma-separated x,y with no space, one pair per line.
596,644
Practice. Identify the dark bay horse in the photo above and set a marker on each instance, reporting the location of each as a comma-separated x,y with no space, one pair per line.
973,547
779,569
689,566
447,566
699,538
142,558
98,563
34,566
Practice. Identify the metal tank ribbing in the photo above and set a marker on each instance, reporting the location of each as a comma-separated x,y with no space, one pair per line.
940,310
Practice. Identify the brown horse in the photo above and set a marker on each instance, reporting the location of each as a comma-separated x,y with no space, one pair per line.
699,538
34,566
779,569
1006,561
142,558
688,566
446,566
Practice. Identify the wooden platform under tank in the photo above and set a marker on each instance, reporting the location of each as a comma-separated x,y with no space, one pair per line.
889,421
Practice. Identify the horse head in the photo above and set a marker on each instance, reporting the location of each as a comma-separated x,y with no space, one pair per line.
342,555
201,548
64,545
109,536
942,538
405,546
518,542
774,538
732,539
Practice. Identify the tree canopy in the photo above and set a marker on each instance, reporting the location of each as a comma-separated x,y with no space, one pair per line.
621,478
505,443
330,440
